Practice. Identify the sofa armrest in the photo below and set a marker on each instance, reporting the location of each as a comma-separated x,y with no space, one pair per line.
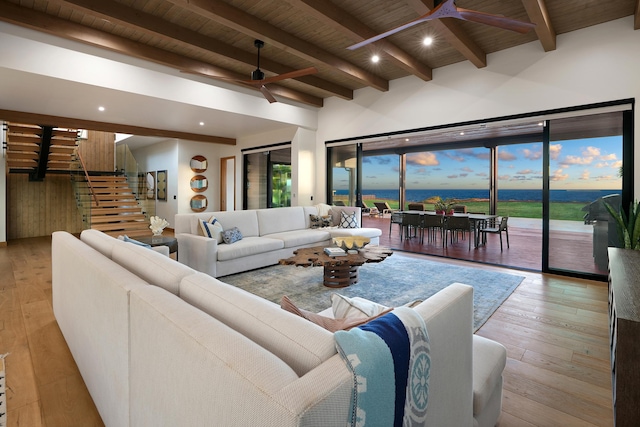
198,252
164,250
449,318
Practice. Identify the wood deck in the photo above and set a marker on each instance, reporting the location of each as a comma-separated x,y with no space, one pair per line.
554,328
525,251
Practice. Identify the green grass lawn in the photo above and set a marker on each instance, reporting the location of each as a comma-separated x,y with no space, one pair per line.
562,211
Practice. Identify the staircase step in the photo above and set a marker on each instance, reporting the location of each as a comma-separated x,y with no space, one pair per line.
100,219
108,178
113,211
117,191
125,225
114,204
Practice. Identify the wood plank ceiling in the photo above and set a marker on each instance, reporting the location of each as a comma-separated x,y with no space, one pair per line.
216,37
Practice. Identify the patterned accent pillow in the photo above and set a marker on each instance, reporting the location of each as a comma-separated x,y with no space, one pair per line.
328,323
318,221
348,220
231,235
212,229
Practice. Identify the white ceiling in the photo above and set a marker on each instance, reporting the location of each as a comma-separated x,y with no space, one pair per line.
67,79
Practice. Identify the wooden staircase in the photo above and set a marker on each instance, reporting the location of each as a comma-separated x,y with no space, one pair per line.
114,209
38,150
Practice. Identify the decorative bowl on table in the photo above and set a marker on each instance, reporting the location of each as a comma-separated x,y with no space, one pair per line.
351,242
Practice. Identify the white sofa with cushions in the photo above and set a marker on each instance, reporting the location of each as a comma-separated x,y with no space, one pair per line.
159,344
268,235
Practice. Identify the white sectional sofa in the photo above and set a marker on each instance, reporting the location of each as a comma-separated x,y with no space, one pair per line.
159,344
268,236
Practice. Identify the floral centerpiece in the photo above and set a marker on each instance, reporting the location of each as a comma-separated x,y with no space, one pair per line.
157,225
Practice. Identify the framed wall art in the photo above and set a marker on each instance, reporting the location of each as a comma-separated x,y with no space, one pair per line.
162,185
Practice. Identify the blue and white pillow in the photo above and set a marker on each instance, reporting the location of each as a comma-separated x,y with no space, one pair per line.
348,220
212,229
231,235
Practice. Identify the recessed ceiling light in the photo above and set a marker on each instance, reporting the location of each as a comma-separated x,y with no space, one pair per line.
541,124
427,41
375,58
201,123
101,108
406,139
461,133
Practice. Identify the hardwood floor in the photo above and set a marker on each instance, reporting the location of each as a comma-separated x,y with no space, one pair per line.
554,328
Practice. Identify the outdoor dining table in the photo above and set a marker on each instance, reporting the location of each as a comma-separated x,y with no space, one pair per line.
479,220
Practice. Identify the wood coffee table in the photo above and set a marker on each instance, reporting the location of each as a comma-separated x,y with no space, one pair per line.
339,271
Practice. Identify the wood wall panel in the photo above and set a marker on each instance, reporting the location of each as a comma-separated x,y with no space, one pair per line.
98,151
40,208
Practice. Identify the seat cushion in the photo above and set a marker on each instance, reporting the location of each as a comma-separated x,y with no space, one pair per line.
248,246
296,238
364,232
489,360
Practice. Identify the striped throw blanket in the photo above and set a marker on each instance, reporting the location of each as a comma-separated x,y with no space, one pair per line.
390,361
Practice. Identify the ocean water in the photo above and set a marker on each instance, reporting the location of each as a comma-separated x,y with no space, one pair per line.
579,196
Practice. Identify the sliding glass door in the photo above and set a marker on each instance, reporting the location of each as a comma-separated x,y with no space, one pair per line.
585,165
267,179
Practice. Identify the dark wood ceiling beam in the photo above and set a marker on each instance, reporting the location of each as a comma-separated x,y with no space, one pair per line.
636,21
537,11
234,18
453,34
330,14
155,26
69,30
75,123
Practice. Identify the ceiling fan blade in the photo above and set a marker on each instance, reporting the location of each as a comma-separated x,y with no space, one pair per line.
409,24
267,94
290,75
496,21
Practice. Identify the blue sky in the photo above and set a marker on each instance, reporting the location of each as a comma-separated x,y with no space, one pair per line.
575,164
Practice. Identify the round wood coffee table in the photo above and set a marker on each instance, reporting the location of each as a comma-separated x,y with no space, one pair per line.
339,271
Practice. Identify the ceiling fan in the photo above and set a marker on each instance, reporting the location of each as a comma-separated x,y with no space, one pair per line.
448,9
259,80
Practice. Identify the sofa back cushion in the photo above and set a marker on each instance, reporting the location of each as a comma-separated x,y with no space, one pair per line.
300,343
151,266
277,220
99,241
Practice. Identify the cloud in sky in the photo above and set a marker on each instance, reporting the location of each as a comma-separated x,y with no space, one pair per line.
559,176
423,159
525,172
585,175
532,154
506,156
466,169
554,151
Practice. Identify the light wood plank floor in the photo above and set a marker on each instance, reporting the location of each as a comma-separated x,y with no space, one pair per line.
554,328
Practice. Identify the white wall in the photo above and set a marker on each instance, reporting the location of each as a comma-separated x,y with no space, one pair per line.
596,64
162,156
3,196
303,174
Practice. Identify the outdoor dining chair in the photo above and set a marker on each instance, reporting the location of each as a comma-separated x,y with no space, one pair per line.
502,226
457,225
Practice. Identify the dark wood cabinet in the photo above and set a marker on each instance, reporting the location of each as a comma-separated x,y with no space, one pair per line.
624,324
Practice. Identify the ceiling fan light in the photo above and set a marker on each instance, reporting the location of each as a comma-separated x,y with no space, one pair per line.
257,74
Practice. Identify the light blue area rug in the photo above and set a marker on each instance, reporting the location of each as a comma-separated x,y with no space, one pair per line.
393,282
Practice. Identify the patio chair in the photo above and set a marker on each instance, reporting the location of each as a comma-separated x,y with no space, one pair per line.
459,208
497,230
433,224
396,218
383,207
415,207
457,225
415,222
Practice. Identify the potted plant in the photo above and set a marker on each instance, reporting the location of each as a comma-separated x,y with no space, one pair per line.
443,206
628,228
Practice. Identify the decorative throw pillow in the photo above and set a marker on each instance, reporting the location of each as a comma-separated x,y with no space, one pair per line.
348,220
328,323
318,221
231,235
212,229
355,308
